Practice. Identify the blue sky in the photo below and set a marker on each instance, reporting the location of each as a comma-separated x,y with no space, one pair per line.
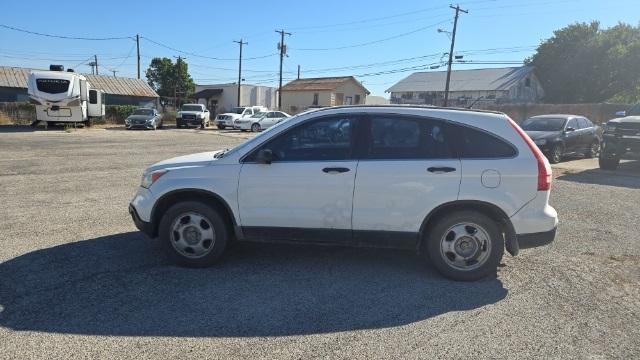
381,41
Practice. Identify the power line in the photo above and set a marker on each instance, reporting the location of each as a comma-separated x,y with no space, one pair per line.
202,56
374,41
61,36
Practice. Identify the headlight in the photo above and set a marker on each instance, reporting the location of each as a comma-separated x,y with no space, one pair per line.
150,120
151,177
178,115
201,116
127,120
610,127
540,141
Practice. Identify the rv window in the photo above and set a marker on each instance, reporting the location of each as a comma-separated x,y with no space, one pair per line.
93,97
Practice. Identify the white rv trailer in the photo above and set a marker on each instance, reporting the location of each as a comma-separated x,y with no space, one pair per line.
61,96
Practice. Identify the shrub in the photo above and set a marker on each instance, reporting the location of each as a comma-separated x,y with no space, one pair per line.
117,113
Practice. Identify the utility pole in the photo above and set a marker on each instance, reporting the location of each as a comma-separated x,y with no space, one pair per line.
138,47
240,67
453,43
114,72
95,58
283,51
298,72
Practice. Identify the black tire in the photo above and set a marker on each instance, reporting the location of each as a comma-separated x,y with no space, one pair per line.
555,155
593,151
166,236
161,126
255,127
608,162
221,127
490,259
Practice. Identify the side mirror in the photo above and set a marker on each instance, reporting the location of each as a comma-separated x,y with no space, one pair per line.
621,113
570,129
265,156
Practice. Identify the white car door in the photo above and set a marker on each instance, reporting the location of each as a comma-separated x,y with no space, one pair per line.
407,170
269,120
306,192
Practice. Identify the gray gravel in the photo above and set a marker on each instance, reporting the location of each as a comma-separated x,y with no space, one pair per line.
77,280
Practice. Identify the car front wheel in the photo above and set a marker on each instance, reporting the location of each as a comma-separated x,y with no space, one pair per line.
255,127
594,150
193,234
465,246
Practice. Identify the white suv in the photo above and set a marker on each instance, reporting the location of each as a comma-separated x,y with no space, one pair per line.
458,186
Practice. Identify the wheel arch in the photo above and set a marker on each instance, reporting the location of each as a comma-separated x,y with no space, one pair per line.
194,194
493,211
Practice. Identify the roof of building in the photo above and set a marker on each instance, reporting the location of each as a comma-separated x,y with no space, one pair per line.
463,80
16,77
323,83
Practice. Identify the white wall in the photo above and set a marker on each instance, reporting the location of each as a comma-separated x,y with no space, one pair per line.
250,95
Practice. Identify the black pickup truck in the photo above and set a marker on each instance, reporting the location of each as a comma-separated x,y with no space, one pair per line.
621,135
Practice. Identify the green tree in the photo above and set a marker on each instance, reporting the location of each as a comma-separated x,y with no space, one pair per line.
585,63
169,78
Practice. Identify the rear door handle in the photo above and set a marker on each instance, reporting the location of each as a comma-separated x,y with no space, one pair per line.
335,170
440,170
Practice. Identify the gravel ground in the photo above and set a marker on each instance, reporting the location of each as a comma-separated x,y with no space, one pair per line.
77,280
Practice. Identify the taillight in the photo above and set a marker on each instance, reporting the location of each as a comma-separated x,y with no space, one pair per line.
544,169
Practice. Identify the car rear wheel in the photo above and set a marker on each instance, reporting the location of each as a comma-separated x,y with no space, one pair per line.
255,127
555,155
594,150
193,234
465,246
221,127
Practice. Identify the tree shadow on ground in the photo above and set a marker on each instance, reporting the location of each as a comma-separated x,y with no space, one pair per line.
627,175
120,285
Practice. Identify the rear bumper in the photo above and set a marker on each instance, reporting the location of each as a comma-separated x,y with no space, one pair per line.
143,226
527,241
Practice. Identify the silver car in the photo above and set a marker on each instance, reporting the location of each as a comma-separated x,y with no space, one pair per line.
144,118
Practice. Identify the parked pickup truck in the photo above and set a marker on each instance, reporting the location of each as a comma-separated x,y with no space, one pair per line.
621,135
192,114
228,119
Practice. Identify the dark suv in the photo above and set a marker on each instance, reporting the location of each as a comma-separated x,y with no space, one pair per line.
621,135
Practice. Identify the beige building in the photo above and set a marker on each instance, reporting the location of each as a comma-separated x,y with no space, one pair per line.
302,94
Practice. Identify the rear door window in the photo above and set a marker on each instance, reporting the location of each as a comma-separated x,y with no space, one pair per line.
399,137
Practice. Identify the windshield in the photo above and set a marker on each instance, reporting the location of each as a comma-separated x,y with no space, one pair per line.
191,108
143,112
634,111
543,124
237,110
259,115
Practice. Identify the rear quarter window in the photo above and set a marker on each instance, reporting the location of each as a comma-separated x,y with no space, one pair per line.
479,144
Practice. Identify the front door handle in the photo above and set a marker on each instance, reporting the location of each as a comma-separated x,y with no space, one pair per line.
440,170
335,170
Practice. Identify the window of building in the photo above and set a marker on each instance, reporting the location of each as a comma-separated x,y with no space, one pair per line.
356,99
527,82
315,99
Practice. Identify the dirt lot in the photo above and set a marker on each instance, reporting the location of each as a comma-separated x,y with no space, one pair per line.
78,280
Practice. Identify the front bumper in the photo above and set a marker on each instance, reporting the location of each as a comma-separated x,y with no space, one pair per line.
527,241
139,126
620,144
146,227
194,122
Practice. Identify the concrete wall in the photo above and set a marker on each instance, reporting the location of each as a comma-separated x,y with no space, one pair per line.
297,101
598,113
350,89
